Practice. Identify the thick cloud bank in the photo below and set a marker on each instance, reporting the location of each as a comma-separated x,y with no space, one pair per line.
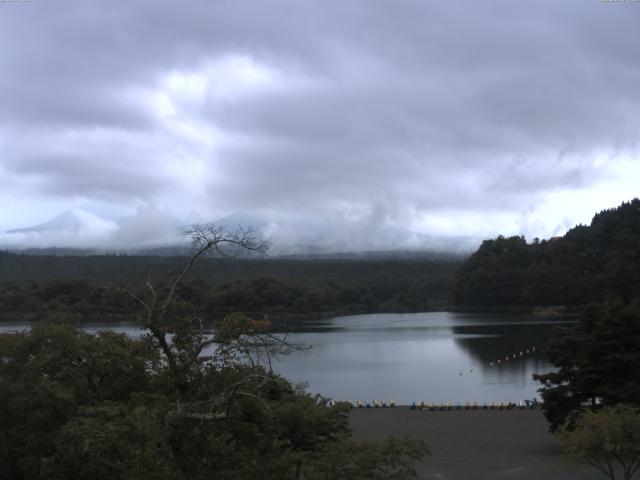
374,124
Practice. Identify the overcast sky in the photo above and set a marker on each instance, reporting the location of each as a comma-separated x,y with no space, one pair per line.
440,118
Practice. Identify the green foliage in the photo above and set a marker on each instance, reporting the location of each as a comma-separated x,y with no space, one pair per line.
175,403
114,440
608,440
281,289
391,459
587,264
75,405
49,375
597,360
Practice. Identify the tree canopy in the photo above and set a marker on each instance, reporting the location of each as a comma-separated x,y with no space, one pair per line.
597,360
174,403
608,440
34,287
587,264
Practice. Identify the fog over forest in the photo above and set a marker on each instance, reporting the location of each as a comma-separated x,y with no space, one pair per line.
340,126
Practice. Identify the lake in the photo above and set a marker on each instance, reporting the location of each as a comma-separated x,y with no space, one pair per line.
431,357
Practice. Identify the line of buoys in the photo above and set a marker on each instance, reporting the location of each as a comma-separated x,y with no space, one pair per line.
513,356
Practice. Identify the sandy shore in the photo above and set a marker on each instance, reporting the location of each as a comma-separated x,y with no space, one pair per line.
476,445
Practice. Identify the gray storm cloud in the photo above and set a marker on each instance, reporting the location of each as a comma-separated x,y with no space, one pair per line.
453,118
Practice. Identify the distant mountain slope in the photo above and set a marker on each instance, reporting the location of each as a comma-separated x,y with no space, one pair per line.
75,228
589,263
154,232
85,232
72,222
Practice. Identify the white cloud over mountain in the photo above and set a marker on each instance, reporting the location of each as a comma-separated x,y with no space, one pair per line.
150,228
73,228
431,119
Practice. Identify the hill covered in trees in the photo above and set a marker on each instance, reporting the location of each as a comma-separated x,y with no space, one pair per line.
588,264
37,286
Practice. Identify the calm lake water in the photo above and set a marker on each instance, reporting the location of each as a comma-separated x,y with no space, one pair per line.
431,357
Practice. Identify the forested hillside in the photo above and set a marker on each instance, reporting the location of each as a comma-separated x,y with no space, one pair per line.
36,286
588,264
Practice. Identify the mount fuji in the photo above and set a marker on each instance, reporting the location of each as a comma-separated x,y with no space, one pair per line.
74,228
72,223
158,233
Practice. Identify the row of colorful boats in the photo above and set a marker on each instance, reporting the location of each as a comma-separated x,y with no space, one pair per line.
436,407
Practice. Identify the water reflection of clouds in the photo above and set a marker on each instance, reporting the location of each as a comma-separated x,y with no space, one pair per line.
411,357
451,355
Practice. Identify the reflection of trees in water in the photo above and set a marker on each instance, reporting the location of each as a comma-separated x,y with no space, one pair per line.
500,341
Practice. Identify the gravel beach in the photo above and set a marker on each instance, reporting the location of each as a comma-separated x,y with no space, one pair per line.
476,444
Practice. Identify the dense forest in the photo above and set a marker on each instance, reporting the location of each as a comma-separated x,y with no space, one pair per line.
588,264
36,286
593,391
75,405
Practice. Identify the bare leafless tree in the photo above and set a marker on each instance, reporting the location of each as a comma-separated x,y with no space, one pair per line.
207,241
238,340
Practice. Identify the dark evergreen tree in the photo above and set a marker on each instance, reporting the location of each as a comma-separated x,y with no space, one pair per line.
598,362
588,264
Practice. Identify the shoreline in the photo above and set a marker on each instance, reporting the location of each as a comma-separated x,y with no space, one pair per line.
475,444
298,318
